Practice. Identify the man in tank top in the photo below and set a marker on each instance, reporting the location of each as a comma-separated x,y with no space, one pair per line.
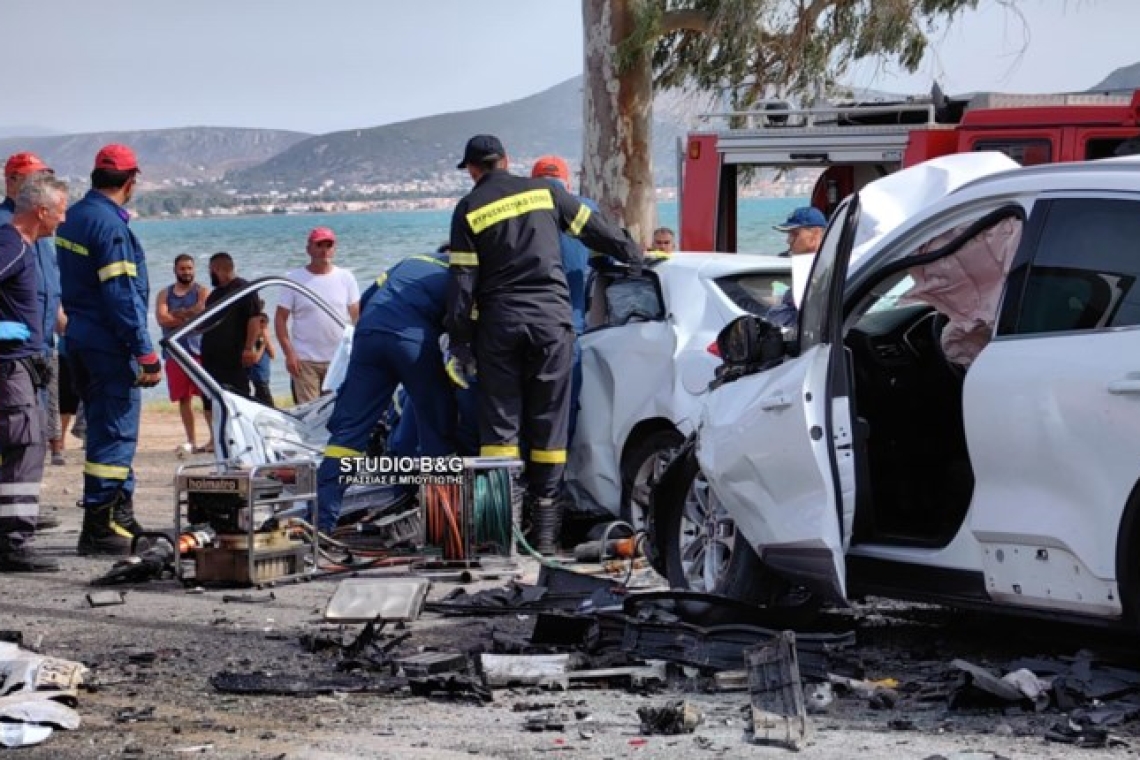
176,305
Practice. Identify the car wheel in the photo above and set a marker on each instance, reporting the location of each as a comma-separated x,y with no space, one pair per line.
641,468
703,551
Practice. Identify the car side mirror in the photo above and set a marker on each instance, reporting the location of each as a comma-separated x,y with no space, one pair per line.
751,341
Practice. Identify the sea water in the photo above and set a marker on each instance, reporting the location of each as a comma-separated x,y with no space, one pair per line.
367,244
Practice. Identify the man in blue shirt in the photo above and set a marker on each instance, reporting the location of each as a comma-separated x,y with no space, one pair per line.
804,228
105,293
40,205
575,264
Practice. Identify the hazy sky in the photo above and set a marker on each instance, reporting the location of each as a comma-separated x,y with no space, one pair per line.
94,65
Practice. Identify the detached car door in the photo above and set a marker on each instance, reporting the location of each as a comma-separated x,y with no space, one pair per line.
776,447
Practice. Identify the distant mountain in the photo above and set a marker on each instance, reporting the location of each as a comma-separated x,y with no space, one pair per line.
1124,78
24,130
427,149
167,156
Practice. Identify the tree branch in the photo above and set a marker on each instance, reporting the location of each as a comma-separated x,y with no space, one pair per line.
688,20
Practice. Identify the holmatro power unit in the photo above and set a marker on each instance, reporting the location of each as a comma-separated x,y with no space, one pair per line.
248,510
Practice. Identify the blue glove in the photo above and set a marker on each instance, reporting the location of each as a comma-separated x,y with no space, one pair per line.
14,331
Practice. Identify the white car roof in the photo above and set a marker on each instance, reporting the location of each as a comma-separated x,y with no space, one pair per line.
1119,173
720,264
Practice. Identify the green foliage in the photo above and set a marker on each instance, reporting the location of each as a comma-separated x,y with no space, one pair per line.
761,48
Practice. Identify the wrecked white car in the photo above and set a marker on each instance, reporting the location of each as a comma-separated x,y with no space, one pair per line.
647,358
957,418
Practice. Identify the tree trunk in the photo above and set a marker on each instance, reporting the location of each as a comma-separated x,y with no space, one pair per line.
618,111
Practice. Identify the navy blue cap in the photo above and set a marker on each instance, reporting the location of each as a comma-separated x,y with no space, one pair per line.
808,216
482,148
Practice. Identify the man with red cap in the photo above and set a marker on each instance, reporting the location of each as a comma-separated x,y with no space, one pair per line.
311,344
105,294
19,168
38,207
575,264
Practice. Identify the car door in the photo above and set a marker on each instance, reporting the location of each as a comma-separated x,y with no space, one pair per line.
1063,377
777,446
627,367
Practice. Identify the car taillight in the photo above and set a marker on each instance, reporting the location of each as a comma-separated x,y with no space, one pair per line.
714,349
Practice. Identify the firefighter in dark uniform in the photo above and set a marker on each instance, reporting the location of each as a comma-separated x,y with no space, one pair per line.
105,292
40,205
396,341
506,259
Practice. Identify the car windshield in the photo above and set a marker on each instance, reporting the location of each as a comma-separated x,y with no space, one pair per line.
887,295
755,292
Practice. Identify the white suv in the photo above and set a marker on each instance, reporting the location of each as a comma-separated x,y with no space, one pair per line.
956,420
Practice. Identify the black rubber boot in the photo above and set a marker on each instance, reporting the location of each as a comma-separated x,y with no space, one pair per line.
102,534
123,515
546,523
24,559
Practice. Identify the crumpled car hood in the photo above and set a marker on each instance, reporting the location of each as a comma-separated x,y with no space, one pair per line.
888,202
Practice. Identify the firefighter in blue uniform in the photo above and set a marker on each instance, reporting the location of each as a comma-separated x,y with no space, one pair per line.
105,293
575,265
396,341
40,205
506,257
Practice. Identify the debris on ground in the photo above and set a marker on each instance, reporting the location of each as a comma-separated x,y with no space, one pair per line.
677,718
779,714
365,600
37,695
105,598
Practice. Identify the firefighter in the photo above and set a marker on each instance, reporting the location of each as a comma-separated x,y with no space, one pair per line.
396,341
39,206
105,293
506,257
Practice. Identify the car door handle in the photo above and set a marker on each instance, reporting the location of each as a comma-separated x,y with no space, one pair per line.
1128,384
773,403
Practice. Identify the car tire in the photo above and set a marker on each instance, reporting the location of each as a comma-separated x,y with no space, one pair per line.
724,562
640,466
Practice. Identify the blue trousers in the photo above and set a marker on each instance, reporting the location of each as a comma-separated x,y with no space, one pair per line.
381,361
404,441
112,404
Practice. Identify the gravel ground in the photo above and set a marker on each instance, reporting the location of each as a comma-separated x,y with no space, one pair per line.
152,658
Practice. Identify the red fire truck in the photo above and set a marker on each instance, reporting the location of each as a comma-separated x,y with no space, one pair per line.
855,144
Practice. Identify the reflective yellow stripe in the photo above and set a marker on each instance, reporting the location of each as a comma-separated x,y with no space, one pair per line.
463,259
120,530
381,280
499,451
67,245
336,452
580,220
116,269
509,208
548,456
430,260
109,471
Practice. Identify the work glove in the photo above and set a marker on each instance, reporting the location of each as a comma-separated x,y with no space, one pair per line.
150,371
459,362
14,331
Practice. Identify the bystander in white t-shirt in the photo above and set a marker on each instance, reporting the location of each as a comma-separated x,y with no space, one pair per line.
314,334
